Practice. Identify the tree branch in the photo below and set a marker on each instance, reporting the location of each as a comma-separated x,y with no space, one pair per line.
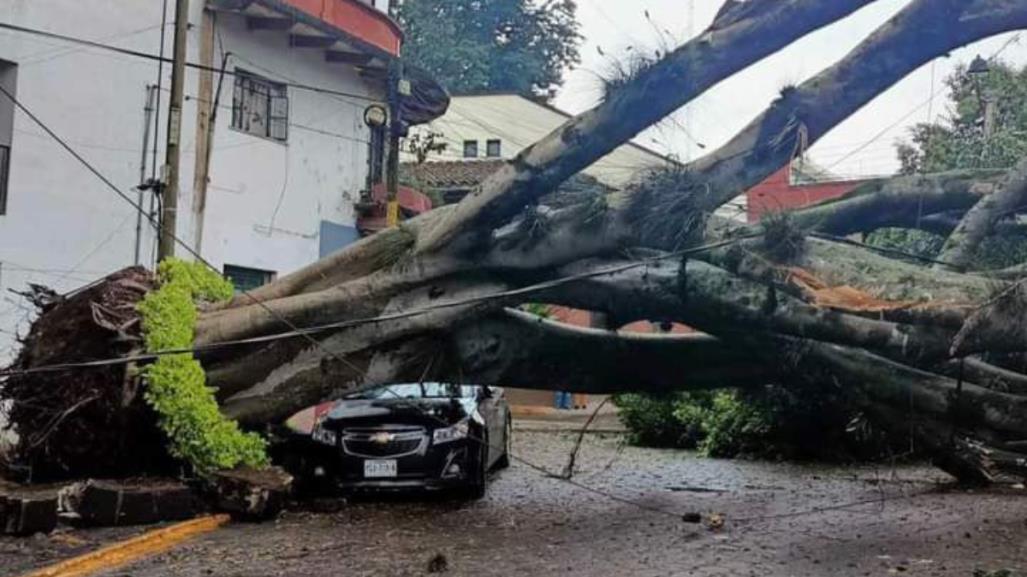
922,31
980,221
656,92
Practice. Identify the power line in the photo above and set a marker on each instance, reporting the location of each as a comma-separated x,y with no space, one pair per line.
164,60
156,226
400,315
306,334
159,85
927,102
60,52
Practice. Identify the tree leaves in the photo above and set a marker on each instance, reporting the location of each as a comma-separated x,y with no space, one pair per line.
492,45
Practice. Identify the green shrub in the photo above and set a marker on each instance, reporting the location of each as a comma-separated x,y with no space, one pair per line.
652,421
733,427
176,384
800,422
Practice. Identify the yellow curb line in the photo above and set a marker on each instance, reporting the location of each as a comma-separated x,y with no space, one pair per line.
133,549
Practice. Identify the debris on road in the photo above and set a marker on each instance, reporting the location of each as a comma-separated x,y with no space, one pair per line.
251,494
693,518
86,423
715,522
438,564
27,511
135,502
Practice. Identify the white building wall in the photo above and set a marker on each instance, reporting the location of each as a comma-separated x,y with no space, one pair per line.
518,123
266,200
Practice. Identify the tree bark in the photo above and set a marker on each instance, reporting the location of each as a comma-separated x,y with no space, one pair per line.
428,299
980,221
656,92
521,350
904,201
919,33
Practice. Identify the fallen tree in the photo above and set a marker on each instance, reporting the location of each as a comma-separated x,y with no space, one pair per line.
435,297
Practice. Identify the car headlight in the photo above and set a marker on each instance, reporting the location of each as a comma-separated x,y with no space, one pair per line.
450,434
324,436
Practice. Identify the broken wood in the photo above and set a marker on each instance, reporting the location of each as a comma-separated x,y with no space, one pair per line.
251,494
135,502
27,510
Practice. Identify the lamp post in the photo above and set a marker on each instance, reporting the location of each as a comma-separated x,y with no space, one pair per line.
979,69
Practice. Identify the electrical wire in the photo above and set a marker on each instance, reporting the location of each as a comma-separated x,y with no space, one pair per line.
927,102
177,240
400,315
159,85
50,54
162,60
306,332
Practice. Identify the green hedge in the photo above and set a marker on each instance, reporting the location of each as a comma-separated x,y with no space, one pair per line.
176,384
771,422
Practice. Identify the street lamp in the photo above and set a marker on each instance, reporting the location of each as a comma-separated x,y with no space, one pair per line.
978,67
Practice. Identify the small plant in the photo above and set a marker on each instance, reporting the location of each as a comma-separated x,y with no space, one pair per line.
176,384
783,239
733,427
668,191
652,421
622,71
537,309
424,145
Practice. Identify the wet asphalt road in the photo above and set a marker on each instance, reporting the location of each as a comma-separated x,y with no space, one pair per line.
779,520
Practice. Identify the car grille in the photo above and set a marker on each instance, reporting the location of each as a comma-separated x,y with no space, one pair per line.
386,442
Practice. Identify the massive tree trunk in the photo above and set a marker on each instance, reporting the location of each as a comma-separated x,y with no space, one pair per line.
825,292
436,296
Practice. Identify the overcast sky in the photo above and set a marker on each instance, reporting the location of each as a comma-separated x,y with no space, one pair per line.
856,147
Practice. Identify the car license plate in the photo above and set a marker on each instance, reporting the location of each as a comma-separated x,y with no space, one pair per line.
379,469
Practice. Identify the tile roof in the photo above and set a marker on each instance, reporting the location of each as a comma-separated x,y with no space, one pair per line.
449,174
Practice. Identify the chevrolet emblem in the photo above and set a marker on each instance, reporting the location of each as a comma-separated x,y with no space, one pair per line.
382,438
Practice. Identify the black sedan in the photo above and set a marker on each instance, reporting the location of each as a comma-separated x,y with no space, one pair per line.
408,436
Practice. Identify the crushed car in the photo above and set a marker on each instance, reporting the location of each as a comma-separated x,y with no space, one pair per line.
414,436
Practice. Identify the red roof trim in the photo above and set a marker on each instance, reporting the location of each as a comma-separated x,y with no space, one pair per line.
355,19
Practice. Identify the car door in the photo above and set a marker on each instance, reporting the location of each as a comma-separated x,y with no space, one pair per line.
502,417
490,409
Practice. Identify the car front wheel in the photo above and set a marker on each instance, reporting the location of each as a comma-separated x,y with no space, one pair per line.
504,459
478,483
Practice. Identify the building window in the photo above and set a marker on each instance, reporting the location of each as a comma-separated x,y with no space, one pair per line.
494,148
470,149
260,107
376,155
8,72
246,279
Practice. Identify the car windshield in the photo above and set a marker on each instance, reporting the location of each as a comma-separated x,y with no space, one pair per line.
417,391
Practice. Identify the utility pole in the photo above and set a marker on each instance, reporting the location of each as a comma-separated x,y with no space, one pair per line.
398,89
169,212
980,68
989,115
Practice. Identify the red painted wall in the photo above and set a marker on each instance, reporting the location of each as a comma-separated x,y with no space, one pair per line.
580,318
356,19
777,193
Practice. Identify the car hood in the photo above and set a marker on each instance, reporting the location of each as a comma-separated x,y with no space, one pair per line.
431,413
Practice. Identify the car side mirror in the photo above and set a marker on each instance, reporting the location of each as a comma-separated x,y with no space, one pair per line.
486,392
